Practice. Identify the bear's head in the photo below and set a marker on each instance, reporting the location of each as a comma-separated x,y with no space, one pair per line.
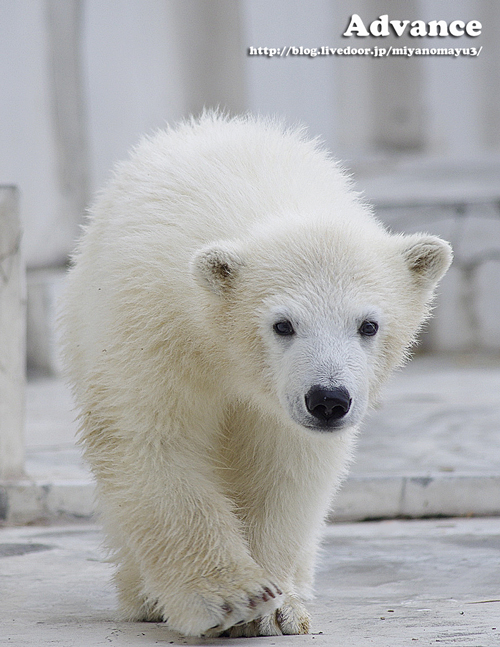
312,317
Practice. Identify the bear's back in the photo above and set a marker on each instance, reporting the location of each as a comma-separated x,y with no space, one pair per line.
216,179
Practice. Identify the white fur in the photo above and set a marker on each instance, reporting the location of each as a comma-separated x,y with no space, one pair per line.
212,478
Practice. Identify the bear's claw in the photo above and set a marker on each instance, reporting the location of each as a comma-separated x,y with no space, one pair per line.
237,615
290,618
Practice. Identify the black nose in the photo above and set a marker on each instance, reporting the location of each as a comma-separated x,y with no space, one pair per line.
328,405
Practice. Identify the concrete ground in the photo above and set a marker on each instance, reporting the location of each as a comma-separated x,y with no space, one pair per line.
385,584
433,448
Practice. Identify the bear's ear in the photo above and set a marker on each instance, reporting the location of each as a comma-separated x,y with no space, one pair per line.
427,257
216,267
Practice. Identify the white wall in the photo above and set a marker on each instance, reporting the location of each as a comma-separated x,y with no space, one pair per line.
132,76
87,78
455,93
28,146
299,88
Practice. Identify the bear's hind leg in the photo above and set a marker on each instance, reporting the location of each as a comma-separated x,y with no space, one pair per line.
134,603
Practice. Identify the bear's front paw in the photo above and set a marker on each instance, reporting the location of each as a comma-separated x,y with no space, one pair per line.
239,614
213,604
290,618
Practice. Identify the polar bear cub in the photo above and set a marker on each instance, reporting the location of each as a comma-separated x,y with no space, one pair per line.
232,312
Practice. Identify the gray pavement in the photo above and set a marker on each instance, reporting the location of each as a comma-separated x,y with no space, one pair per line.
440,414
433,447
386,584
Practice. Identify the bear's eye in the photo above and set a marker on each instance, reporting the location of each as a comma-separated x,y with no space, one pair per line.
368,328
283,327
